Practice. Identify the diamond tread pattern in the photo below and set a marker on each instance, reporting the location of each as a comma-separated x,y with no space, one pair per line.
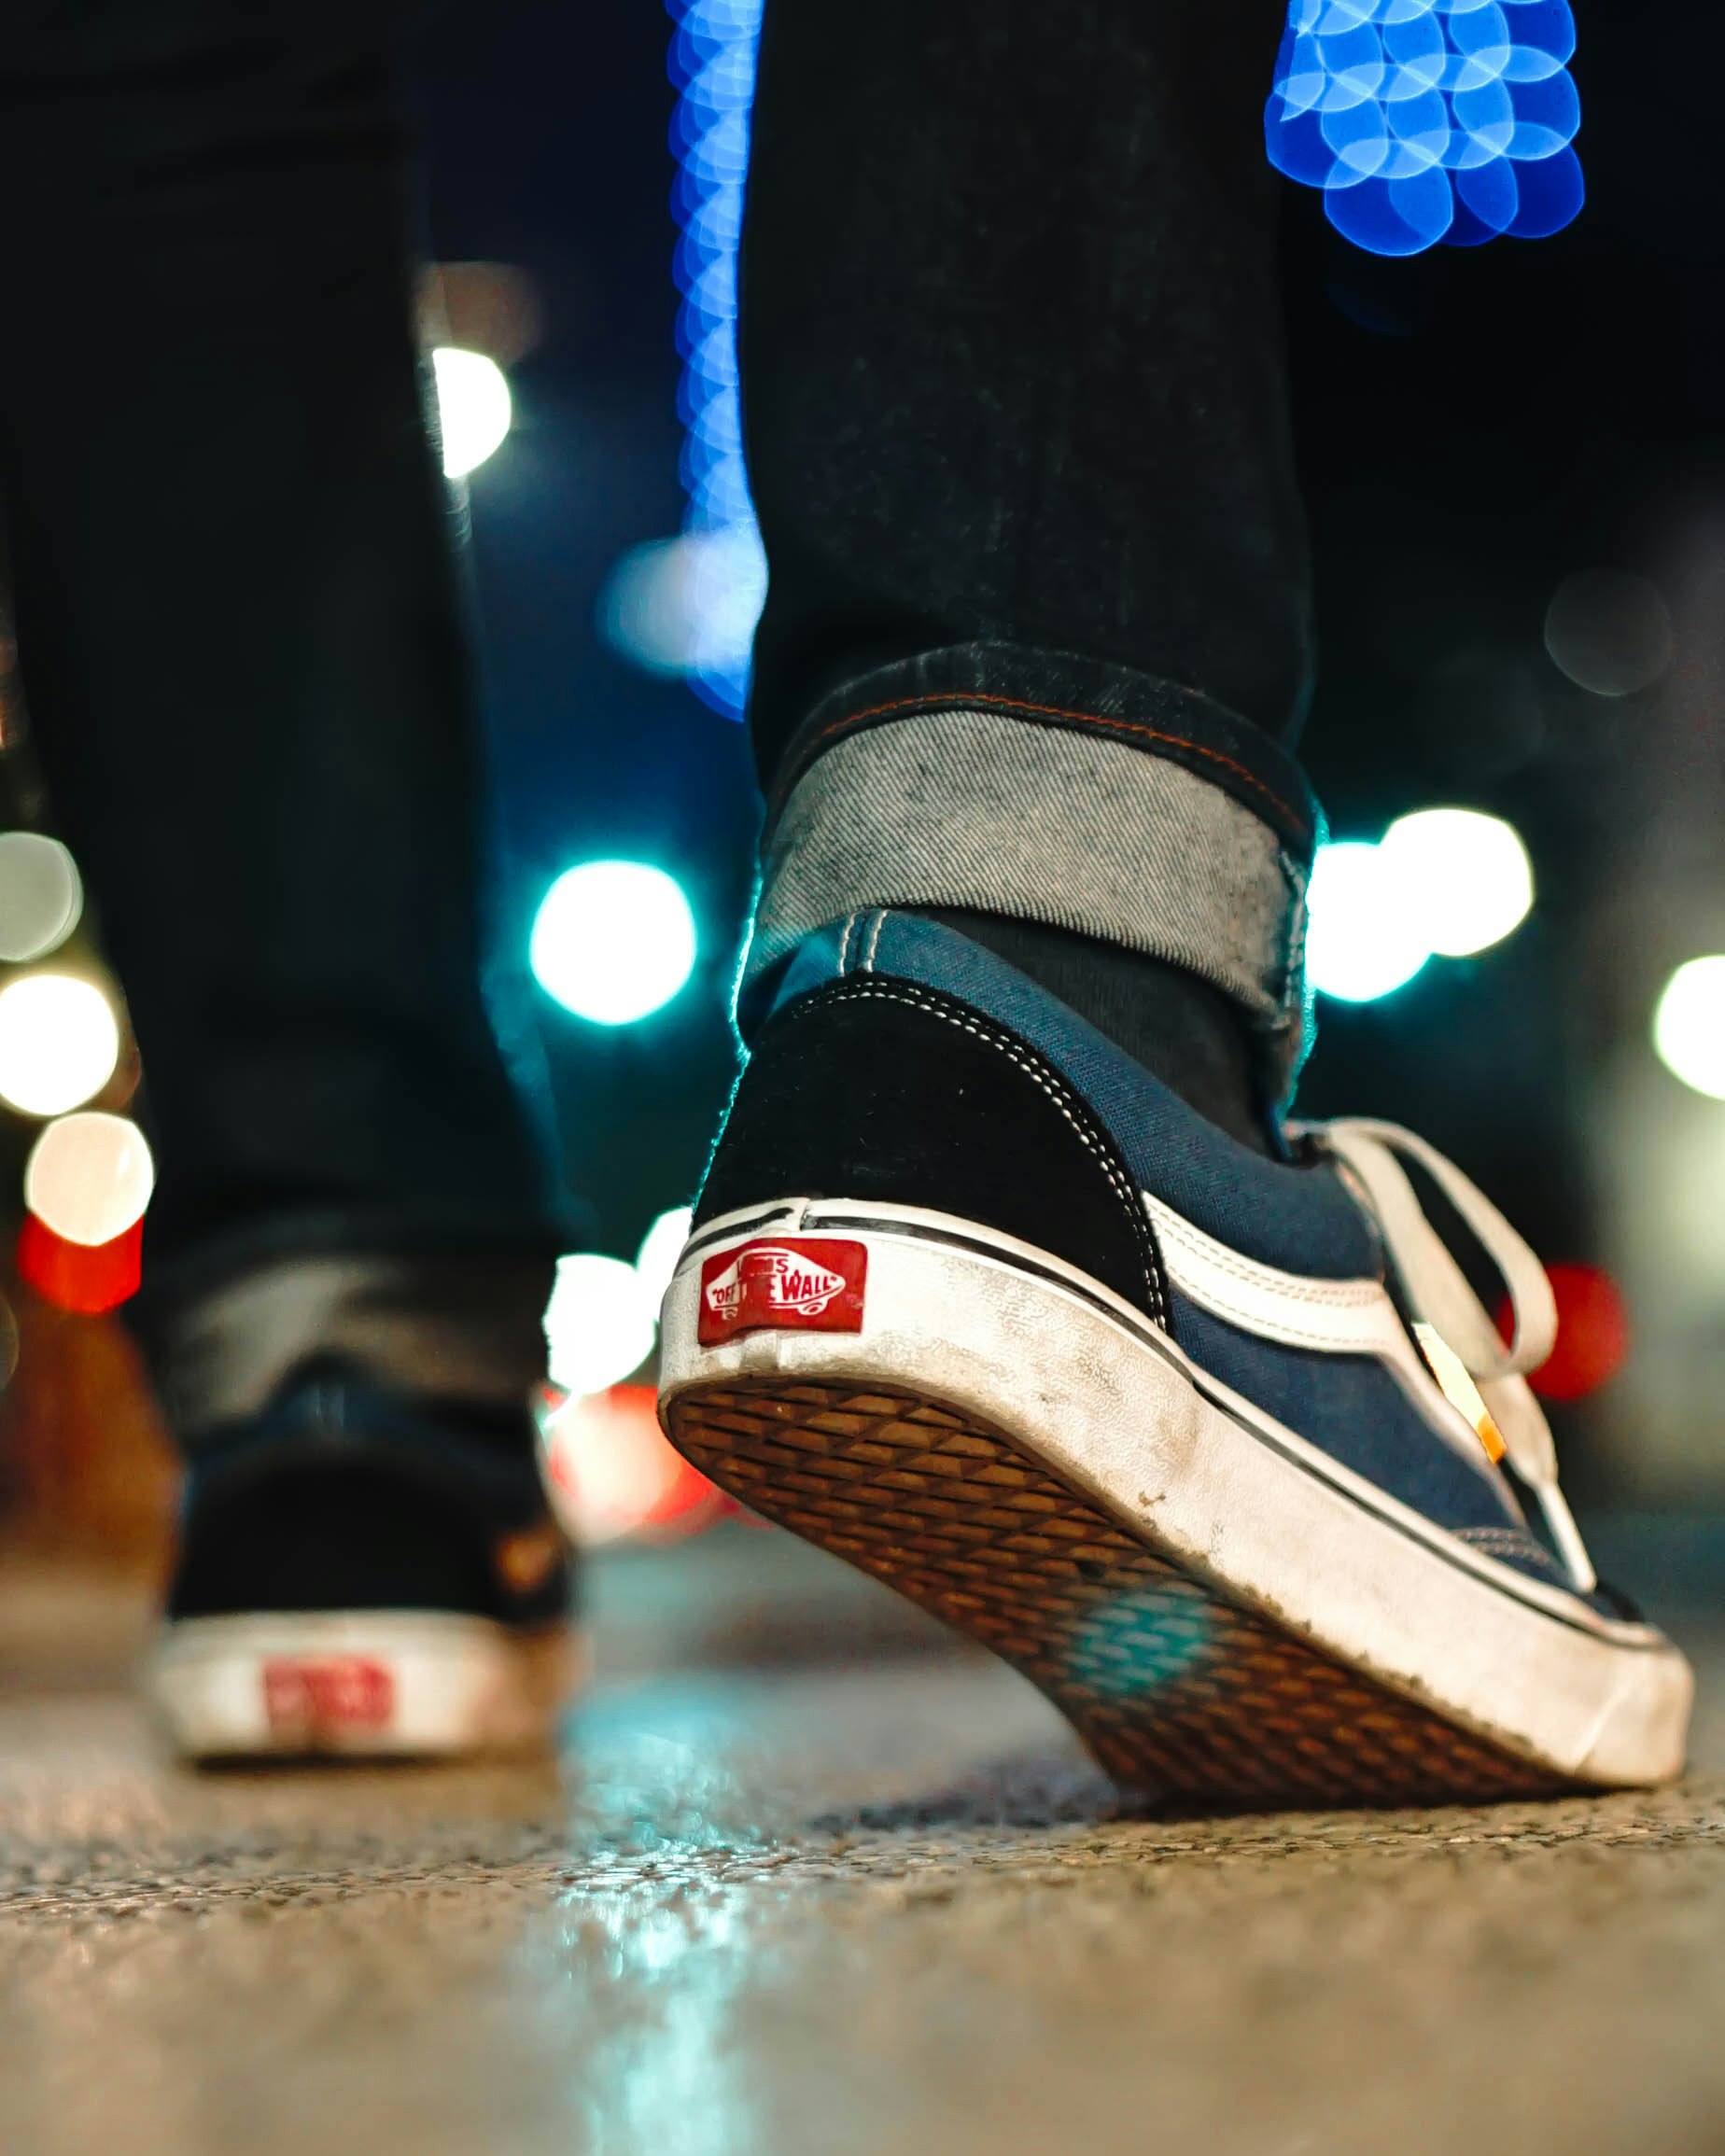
1175,1689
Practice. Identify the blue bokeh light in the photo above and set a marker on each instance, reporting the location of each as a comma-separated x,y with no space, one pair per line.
712,67
1422,120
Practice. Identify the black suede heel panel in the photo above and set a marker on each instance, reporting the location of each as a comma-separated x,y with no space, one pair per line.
885,1090
343,1496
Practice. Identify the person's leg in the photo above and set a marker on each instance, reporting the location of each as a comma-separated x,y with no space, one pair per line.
982,1294
1020,445
245,661
241,632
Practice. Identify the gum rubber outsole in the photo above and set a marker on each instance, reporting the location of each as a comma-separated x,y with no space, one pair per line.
1177,1691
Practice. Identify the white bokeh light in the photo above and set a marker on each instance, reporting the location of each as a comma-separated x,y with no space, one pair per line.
1363,940
89,1177
40,895
1463,877
1609,631
59,1042
661,1248
601,1324
1689,1026
475,407
613,941
688,605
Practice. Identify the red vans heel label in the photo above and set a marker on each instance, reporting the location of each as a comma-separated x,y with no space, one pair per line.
784,1285
327,1695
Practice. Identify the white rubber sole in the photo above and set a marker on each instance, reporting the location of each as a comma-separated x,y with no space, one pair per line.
1298,1633
366,1684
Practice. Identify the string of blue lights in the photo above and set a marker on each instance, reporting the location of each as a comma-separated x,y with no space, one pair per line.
1423,121
712,66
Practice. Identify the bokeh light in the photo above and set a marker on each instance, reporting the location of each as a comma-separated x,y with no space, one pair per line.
601,1324
1441,882
1463,878
1609,631
490,307
690,605
88,1177
613,941
1592,1334
59,1042
41,896
712,67
1689,1026
661,1248
1363,940
612,1474
88,1277
475,407
1422,120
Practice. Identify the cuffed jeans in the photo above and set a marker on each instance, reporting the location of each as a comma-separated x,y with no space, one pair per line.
1037,635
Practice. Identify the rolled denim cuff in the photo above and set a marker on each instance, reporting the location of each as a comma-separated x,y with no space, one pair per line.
1082,796
457,1329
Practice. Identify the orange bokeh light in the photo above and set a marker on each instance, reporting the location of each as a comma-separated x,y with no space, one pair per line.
614,1475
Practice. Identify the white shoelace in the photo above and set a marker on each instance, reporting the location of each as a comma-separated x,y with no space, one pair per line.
1436,1294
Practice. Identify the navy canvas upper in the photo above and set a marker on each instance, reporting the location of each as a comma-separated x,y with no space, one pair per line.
1351,1407
1299,1219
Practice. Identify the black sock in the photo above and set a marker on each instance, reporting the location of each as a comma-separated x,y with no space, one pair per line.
1183,1030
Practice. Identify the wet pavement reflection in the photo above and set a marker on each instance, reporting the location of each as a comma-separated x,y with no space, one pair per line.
807,1879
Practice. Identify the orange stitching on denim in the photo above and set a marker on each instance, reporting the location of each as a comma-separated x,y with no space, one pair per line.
1130,727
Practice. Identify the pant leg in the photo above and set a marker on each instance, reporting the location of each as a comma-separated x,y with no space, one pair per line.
1036,639
241,626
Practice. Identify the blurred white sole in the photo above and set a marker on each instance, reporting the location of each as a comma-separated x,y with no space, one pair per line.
361,1683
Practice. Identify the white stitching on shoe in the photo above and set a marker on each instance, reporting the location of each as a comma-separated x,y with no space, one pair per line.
874,943
1507,1542
844,943
1063,1099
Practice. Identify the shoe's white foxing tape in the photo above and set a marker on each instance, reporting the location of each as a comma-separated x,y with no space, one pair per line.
365,1684
979,1341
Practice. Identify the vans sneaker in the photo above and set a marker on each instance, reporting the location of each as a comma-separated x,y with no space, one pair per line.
1221,1450
362,1576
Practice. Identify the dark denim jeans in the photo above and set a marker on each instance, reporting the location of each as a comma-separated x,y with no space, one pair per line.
1037,633
240,616
1017,419
1012,346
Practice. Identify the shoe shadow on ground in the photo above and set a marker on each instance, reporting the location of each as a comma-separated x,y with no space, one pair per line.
523,1774
1027,1791
1042,1792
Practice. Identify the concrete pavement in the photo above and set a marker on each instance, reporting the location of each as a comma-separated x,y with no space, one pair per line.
808,1880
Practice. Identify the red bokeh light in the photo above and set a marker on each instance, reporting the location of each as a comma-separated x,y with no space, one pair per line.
615,1475
1592,1334
88,1278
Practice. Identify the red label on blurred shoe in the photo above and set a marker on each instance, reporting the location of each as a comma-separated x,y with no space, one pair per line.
782,1283
333,1692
